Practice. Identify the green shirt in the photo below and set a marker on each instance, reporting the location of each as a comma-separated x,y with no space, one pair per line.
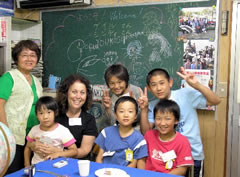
5,92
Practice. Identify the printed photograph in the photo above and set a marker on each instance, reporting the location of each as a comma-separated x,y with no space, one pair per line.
197,23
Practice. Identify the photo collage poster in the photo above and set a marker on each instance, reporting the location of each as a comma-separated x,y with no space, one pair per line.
197,29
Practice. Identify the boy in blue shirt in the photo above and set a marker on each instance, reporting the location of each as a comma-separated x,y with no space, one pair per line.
122,144
188,99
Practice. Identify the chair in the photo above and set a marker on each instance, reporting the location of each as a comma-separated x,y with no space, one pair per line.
190,171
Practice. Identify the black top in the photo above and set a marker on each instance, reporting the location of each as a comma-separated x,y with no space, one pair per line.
88,126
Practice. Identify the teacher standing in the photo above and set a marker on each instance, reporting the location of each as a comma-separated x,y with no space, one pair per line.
19,92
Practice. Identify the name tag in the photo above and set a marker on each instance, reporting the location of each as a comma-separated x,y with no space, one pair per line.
75,121
168,156
108,153
129,155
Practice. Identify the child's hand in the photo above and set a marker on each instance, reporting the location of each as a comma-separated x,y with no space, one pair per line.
143,99
49,149
188,77
107,102
52,156
38,147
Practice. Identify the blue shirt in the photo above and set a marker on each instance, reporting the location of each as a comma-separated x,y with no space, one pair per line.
114,145
188,99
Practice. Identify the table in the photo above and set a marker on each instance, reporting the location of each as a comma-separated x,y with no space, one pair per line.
71,170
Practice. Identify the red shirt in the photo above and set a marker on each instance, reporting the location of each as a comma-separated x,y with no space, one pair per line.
157,147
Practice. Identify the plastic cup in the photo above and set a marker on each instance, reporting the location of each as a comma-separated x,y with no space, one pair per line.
83,167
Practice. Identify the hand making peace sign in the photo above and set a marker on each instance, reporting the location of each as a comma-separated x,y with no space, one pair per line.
143,99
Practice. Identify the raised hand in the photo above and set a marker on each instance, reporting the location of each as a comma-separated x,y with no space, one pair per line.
107,101
143,99
188,77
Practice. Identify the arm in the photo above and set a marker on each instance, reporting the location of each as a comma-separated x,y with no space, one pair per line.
133,164
70,152
43,149
143,104
86,146
99,157
141,163
212,98
27,155
181,171
3,117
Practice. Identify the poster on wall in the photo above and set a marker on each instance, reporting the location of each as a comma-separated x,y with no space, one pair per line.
204,77
6,7
197,29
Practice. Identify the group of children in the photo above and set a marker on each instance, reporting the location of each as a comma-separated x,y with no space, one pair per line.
169,141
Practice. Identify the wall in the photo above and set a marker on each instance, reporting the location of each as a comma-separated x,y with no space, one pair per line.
212,124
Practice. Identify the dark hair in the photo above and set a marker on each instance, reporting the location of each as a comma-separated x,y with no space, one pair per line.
48,102
117,70
170,106
125,99
62,92
155,72
25,44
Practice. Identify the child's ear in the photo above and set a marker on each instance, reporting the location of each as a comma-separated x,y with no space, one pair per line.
148,88
171,82
176,122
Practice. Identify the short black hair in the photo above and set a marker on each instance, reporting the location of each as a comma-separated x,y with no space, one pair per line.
25,44
170,106
48,102
155,72
125,99
117,70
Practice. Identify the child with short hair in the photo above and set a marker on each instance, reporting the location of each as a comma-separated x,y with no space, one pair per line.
122,144
117,79
188,99
49,132
169,151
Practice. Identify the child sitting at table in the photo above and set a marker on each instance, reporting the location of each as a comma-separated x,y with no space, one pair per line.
49,132
122,144
169,151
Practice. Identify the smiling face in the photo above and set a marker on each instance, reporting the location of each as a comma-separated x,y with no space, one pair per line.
126,113
165,122
160,86
77,95
46,118
117,86
27,60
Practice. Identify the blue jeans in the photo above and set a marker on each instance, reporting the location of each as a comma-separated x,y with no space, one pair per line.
197,168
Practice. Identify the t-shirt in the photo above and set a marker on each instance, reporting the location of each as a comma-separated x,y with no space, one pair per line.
6,91
115,146
157,149
60,137
84,125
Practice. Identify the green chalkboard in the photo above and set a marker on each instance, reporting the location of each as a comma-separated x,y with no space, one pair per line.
87,41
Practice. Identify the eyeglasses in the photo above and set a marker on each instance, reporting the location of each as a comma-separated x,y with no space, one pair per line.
25,56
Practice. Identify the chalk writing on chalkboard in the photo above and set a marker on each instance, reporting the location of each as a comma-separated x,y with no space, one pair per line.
87,41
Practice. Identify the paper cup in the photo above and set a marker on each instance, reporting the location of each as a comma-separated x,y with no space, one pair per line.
83,167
